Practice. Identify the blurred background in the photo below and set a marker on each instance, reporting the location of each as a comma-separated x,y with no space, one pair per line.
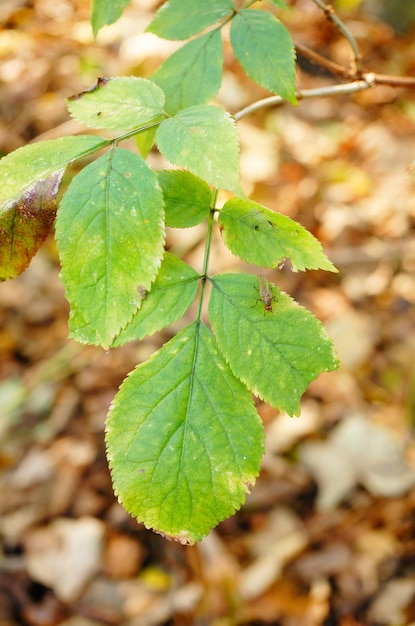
327,537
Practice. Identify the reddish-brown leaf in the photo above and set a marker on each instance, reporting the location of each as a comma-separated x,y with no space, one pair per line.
25,224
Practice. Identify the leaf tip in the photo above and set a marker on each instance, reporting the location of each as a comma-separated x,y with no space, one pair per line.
183,537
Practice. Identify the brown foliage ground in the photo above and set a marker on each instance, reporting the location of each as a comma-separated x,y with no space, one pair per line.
328,535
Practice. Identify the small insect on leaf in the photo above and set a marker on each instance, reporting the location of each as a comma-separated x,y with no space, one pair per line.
265,293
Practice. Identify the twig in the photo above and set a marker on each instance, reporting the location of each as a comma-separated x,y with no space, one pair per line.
394,81
318,59
340,70
342,28
319,92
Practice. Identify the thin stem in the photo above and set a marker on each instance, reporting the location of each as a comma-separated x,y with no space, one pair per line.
342,28
209,231
333,90
136,131
211,217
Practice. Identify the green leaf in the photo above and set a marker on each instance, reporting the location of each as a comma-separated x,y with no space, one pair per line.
260,236
192,74
203,140
181,19
277,350
184,441
30,179
187,198
20,169
110,234
264,48
106,12
120,103
171,295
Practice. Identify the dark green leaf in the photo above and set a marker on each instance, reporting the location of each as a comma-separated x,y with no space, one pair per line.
120,103
260,236
264,48
275,346
193,74
184,441
171,295
203,140
180,19
110,235
187,198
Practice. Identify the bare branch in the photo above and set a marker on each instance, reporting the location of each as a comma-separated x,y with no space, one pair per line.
340,70
318,59
342,28
319,92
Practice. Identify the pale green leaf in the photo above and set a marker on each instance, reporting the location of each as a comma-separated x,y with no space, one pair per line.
180,19
264,48
171,294
203,140
192,74
106,12
260,236
187,198
272,344
21,169
121,103
184,442
110,234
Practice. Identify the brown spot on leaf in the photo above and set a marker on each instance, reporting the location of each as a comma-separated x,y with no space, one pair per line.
101,82
25,224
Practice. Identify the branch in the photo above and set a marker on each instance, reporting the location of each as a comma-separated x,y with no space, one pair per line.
342,28
319,92
340,70
318,59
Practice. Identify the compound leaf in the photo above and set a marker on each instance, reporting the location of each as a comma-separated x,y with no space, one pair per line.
265,238
30,179
276,350
184,442
106,12
192,74
203,140
264,48
110,234
187,198
121,103
171,294
181,19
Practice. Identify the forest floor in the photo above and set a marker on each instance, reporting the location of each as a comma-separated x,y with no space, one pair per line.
327,536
